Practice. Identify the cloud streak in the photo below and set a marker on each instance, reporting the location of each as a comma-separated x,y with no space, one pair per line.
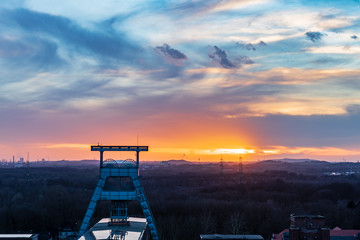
113,45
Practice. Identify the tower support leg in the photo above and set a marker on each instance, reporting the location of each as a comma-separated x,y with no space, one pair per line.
92,205
146,209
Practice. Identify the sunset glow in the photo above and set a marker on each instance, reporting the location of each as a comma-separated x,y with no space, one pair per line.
192,79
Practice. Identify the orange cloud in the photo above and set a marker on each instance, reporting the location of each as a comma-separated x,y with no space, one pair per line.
66,145
328,153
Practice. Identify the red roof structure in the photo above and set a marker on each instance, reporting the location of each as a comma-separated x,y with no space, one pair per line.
338,232
334,234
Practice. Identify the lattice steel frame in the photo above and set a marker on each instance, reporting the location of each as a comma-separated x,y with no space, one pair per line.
122,170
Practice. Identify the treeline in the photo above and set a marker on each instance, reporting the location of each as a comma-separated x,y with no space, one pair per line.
184,203
260,203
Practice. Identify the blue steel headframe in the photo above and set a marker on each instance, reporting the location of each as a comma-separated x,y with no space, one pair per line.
119,148
102,149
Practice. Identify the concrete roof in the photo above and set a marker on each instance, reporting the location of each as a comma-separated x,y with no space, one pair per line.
17,235
102,230
230,236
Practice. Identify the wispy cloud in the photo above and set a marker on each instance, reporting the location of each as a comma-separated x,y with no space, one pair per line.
114,45
312,151
334,50
66,145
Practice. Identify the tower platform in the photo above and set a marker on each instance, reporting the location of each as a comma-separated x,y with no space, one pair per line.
136,230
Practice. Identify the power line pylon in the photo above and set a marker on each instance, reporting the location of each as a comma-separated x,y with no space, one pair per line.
240,169
221,171
128,169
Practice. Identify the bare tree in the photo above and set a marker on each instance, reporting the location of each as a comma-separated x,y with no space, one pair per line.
207,222
236,223
173,226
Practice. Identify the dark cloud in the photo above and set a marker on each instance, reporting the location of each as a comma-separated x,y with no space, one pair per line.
220,57
354,37
250,46
262,43
107,44
166,49
170,54
353,109
314,36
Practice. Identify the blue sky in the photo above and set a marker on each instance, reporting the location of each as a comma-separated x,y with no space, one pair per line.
280,78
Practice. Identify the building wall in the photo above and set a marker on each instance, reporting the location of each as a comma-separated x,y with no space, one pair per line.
308,227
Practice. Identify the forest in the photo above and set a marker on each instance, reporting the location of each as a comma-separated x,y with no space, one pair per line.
186,200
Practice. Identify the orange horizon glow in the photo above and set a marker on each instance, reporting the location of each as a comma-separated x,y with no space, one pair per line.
76,151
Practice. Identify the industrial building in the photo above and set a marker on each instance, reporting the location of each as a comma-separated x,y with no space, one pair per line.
312,227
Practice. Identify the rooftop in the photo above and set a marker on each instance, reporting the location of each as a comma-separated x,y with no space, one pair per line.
102,230
17,236
306,216
335,234
338,232
229,236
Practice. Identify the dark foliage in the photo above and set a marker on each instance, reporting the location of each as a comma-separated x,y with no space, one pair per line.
186,201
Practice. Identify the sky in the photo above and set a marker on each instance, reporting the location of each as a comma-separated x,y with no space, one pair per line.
200,79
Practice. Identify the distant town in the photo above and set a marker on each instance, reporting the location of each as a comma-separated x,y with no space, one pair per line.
300,165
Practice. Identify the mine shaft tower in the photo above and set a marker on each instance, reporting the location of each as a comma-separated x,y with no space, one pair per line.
118,169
